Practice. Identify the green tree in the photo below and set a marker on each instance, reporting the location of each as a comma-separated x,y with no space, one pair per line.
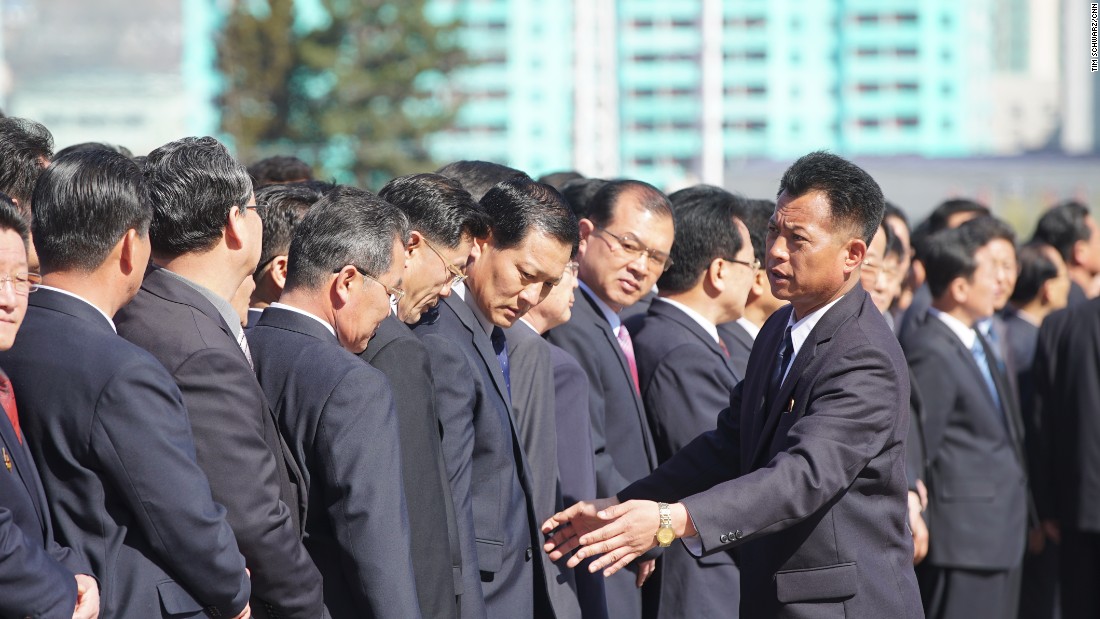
355,95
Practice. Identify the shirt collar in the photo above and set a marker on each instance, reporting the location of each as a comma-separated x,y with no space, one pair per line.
486,325
963,332
749,326
609,315
707,325
220,303
80,298
297,310
800,331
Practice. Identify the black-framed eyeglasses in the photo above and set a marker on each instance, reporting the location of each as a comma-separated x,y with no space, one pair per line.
457,276
22,283
754,265
393,291
636,249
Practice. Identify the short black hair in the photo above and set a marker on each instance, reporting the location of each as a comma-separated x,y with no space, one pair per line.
193,183
279,169
756,213
705,229
578,193
12,219
83,146
889,235
558,179
601,208
987,228
893,210
949,254
941,215
437,207
346,226
1062,226
854,197
1035,270
894,245
520,206
284,206
83,203
25,146
478,177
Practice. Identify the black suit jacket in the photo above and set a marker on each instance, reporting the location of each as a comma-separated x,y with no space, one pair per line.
110,437
1067,364
739,343
36,571
234,431
977,507
338,417
686,382
485,460
815,497
531,372
436,550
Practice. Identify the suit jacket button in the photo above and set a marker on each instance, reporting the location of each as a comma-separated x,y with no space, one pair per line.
528,554
724,538
737,534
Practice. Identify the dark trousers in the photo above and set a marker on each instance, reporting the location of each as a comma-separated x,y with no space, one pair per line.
956,593
1039,589
1080,574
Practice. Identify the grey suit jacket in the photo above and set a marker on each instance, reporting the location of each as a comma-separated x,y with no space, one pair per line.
485,460
810,481
532,379
337,415
234,431
977,482
436,546
110,437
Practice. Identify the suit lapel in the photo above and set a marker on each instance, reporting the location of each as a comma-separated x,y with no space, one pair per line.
482,344
23,467
597,318
675,314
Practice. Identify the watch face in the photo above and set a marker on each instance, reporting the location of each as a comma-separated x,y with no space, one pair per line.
665,536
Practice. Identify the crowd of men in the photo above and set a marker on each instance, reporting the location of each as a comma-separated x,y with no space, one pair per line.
236,392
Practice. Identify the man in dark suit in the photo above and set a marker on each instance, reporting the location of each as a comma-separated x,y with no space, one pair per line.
282,211
806,469
624,247
40,577
532,234
973,435
1067,397
568,400
686,373
443,221
205,239
337,412
1069,228
103,419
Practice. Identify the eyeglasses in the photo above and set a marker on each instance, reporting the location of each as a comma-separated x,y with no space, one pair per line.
573,267
393,291
457,276
22,283
754,265
635,249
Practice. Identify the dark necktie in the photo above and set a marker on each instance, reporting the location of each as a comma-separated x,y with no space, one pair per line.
781,363
500,347
7,399
627,345
981,352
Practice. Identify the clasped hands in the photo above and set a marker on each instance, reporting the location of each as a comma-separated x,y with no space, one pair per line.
616,532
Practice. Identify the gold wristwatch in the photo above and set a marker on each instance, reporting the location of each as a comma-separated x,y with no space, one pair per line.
664,532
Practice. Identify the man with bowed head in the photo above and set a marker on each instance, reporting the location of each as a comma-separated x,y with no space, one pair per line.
805,471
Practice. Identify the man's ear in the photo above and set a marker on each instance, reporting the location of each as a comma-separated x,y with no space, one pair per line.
416,241
855,250
127,248
478,248
959,290
279,271
235,232
1080,253
340,286
716,271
